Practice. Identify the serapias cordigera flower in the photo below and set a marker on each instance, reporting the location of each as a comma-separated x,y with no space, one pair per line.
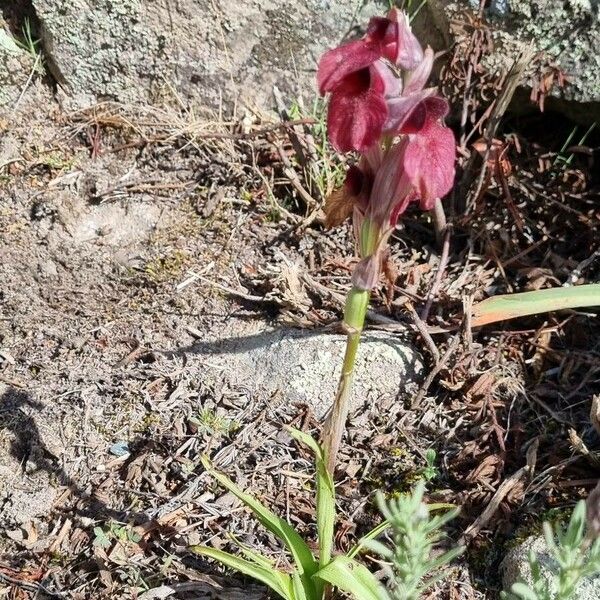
380,107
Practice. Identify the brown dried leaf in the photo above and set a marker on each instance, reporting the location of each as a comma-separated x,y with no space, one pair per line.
541,349
338,207
487,470
482,386
538,277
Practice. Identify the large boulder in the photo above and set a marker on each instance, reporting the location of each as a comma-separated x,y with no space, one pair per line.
566,36
215,51
220,53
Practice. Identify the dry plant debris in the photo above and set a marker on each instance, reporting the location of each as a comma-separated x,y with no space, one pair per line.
238,231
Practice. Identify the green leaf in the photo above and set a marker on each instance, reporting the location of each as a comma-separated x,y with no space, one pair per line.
363,542
523,591
300,589
353,578
325,497
379,548
550,542
510,306
278,581
573,536
252,555
305,561
101,538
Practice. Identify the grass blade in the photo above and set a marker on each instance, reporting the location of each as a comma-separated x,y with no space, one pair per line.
325,497
278,581
511,306
353,578
522,591
252,555
363,542
303,558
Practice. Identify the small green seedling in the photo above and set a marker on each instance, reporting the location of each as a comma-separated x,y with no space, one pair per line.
576,553
104,537
430,472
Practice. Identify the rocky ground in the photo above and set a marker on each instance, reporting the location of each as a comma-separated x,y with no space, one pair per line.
168,290
155,306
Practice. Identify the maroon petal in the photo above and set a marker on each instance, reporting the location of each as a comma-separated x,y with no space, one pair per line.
378,31
417,79
429,163
357,112
405,50
391,186
411,114
400,208
431,109
401,108
336,64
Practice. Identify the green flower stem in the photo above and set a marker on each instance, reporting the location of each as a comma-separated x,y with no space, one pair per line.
333,429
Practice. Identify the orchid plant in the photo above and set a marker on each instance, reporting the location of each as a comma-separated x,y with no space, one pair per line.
380,107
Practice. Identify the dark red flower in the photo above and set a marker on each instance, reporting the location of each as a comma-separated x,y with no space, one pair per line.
428,162
371,106
419,167
360,82
389,38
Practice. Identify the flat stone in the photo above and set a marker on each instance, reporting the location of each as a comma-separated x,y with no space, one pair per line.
303,366
515,567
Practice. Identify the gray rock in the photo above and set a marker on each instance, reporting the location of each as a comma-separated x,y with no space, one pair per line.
15,67
304,366
567,33
515,567
215,51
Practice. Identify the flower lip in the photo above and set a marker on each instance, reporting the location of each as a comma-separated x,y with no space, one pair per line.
357,111
428,162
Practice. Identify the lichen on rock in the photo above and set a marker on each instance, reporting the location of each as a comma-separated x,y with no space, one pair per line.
211,53
564,34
